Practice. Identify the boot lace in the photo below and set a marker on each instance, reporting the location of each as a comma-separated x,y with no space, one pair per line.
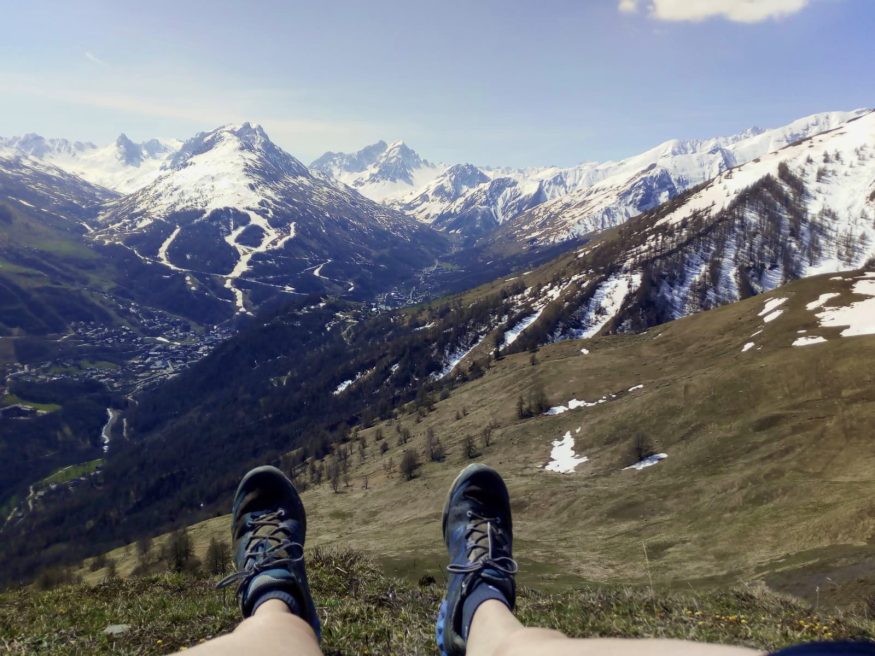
280,549
481,536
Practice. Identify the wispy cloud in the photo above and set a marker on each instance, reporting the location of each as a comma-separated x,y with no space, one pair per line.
302,133
740,11
94,59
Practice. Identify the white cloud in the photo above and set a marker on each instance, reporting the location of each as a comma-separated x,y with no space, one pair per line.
740,11
90,56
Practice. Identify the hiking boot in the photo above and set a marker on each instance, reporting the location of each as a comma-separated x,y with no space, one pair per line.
268,528
478,532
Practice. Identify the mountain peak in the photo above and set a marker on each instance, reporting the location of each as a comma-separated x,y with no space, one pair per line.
335,163
128,152
247,144
246,131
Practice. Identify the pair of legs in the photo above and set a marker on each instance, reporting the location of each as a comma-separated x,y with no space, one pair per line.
494,632
476,616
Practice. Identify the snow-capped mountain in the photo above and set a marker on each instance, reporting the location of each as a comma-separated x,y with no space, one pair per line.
608,194
123,166
802,210
232,208
39,185
380,171
548,205
470,201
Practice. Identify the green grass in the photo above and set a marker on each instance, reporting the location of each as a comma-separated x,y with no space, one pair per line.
8,506
365,612
12,399
97,364
72,472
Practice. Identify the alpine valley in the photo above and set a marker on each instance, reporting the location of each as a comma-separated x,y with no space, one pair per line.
175,312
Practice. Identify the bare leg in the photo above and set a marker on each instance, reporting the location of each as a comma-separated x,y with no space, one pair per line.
496,632
272,631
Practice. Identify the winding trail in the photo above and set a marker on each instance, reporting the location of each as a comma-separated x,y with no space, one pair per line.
106,432
318,270
162,251
272,239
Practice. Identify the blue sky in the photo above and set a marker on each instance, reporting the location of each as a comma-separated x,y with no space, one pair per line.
501,82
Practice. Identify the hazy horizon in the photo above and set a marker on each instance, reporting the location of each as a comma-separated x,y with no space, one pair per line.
522,85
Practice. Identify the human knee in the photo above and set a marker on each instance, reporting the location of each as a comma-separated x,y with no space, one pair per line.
282,622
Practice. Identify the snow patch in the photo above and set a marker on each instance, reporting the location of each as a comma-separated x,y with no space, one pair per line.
574,404
747,347
649,461
809,340
563,459
771,316
606,302
771,305
823,298
511,335
857,318
455,359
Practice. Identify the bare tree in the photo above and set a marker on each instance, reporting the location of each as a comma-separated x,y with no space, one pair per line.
333,472
471,451
643,447
409,464
486,433
434,450
218,557
144,546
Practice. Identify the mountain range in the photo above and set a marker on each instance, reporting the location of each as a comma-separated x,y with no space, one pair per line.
232,206
123,166
315,276
548,205
540,205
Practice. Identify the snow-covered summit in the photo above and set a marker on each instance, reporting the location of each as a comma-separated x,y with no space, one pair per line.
607,194
232,204
381,171
246,143
558,203
122,166
39,147
235,166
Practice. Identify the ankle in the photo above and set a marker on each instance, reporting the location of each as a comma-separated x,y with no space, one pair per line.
276,601
482,594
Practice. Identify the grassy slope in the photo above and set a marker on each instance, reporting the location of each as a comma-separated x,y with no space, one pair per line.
365,612
768,476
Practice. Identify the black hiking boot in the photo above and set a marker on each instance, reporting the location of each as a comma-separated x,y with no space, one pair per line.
478,532
268,528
